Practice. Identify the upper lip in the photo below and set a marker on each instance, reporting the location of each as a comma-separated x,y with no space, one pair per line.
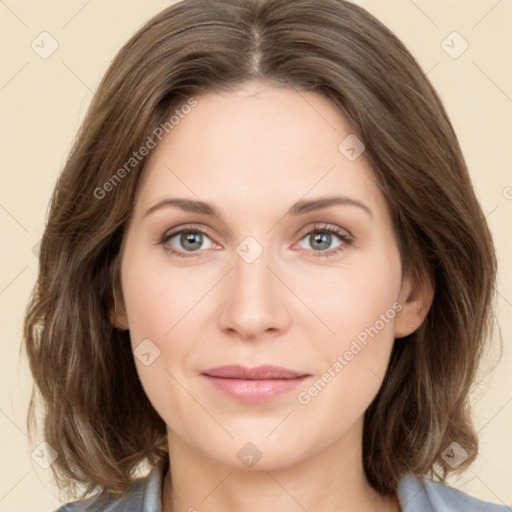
234,371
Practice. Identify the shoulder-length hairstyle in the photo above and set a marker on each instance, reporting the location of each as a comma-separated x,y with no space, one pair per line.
96,414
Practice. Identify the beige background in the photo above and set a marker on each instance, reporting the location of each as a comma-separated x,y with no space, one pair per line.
42,102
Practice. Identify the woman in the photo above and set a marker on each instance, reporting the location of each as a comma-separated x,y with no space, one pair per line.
265,273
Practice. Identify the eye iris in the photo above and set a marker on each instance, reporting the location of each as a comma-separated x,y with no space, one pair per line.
191,241
323,239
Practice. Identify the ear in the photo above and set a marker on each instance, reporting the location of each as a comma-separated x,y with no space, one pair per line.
117,312
416,296
118,316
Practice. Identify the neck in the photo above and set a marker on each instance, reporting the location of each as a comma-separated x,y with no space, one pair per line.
332,481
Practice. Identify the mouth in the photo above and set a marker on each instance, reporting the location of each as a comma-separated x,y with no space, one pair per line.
254,385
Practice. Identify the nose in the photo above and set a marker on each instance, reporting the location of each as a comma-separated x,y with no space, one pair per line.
255,300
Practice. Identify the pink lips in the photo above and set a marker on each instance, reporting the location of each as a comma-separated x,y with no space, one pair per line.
254,385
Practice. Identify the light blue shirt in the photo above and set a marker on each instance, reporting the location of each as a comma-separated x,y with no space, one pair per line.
414,494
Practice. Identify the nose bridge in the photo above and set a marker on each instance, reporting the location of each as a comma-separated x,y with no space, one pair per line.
250,272
255,301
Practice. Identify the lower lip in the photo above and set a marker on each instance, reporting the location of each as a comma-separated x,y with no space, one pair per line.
254,391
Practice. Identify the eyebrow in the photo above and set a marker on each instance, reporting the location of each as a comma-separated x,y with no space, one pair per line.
299,208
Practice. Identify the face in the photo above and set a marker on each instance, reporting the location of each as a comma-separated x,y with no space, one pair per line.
292,263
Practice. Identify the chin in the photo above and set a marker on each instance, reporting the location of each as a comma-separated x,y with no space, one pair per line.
255,453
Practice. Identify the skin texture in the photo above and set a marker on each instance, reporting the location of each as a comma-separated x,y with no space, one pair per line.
252,153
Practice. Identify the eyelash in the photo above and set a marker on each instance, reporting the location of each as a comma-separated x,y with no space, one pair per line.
318,228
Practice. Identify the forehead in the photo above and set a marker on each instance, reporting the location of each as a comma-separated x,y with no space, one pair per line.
257,142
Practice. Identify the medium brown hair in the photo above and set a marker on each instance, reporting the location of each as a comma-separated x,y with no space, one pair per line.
96,414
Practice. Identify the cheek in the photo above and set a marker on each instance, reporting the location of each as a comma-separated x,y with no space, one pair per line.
156,298
158,304
359,304
163,308
352,299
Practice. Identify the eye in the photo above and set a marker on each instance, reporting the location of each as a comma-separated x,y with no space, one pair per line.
322,238
187,240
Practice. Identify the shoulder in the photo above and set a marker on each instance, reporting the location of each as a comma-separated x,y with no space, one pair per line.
144,495
421,495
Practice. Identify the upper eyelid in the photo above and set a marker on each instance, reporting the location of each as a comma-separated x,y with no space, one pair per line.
321,226
180,229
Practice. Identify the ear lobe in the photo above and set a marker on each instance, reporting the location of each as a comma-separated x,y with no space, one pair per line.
416,296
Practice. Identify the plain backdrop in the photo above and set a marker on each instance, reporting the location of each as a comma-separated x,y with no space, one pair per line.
43,100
